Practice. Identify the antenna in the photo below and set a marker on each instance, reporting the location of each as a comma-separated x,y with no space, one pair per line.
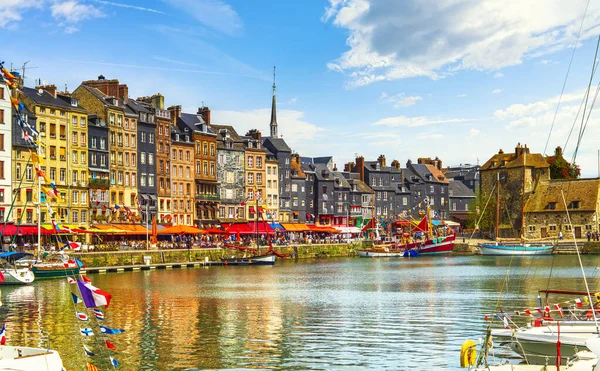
66,90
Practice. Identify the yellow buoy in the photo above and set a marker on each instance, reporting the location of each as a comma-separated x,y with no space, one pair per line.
468,353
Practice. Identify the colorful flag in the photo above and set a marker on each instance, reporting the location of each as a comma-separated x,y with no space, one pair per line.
506,325
110,331
88,352
110,345
82,316
91,367
85,278
93,296
71,280
114,362
560,311
3,335
99,314
76,299
539,310
528,312
75,246
578,302
86,331
547,309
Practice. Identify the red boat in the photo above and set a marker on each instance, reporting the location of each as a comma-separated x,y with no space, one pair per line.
428,243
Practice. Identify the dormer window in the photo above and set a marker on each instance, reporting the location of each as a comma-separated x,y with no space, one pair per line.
187,138
551,205
73,102
177,137
503,163
574,205
493,163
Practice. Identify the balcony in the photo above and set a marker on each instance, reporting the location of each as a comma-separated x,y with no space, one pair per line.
207,197
97,182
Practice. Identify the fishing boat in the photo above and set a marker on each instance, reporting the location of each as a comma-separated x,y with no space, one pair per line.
56,265
266,259
13,274
29,359
380,252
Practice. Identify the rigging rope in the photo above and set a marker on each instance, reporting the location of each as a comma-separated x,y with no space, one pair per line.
567,75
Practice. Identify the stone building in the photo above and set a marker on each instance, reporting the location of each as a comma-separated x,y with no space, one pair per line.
231,174
514,176
428,186
546,214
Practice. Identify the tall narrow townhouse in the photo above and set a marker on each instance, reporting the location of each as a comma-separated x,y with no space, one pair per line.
182,176
23,181
122,135
272,189
163,155
98,152
256,190
54,118
5,148
77,161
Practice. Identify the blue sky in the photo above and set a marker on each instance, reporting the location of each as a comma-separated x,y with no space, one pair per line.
408,79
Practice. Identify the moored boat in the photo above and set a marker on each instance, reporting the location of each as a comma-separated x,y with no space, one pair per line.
29,359
56,266
12,274
515,249
266,259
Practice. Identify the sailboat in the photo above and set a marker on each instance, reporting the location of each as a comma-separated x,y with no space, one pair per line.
509,249
12,274
29,359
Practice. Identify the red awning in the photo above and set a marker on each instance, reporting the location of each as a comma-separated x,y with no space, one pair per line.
260,228
323,229
241,228
11,230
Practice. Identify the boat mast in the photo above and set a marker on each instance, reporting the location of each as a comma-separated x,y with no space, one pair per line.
523,195
39,208
497,203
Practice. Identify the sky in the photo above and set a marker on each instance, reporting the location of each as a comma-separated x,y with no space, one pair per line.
456,79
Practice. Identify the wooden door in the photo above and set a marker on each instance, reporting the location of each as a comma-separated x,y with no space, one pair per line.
577,232
543,232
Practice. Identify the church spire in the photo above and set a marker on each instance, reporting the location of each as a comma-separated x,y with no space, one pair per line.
273,124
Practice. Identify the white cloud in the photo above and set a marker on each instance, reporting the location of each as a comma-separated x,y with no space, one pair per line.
292,100
74,12
496,91
548,61
400,100
215,14
10,10
498,75
128,6
391,40
473,133
461,96
291,124
410,122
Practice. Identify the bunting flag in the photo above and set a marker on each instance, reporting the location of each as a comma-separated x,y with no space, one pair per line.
76,299
114,362
71,280
559,309
75,246
251,209
110,331
88,352
99,314
506,325
93,296
547,309
91,367
110,345
3,335
82,316
85,278
578,302
36,159
86,331
55,226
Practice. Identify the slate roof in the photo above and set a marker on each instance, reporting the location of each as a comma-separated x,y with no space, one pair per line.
278,143
323,173
238,142
457,188
45,98
339,180
424,172
137,106
583,190
316,160
296,169
194,122
372,166
361,187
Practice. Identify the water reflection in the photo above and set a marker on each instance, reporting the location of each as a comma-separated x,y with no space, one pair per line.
361,313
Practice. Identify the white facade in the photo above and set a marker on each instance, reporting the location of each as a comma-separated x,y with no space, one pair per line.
272,191
5,150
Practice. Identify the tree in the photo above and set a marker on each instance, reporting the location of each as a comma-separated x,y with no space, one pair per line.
479,213
561,168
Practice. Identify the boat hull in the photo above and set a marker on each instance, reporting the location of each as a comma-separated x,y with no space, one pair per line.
437,246
54,272
29,359
254,260
379,254
18,276
511,250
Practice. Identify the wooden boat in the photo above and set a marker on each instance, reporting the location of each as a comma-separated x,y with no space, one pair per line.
266,259
56,266
12,274
29,359
515,249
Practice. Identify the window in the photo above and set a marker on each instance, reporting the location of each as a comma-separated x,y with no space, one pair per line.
442,201
143,137
63,175
74,138
551,206
74,177
120,177
74,157
250,161
150,159
102,143
82,139
259,162
75,197
150,137
83,216
187,156
75,217
112,119
532,228
212,149
250,178
430,189
143,180
205,149
151,180
258,178
574,205
404,201
82,121
142,158
212,169
1,142
205,167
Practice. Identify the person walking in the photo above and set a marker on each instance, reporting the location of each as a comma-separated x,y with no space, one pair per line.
560,235
589,236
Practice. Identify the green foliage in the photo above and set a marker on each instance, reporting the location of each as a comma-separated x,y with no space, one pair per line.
561,168
479,213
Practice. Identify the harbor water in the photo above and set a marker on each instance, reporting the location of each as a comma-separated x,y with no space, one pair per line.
346,313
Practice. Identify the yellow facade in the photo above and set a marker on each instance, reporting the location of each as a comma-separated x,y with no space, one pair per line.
77,177
182,181
24,188
272,189
256,189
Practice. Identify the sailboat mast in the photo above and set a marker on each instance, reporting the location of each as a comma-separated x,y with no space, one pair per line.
39,208
497,203
523,195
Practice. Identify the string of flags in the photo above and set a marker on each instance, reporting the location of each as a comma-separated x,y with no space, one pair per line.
92,298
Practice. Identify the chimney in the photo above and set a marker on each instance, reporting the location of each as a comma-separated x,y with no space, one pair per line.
158,101
254,134
123,92
558,152
205,112
108,87
360,167
518,150
335,167
438,163
396,164
381,160
51,89
175,112
348,167
501,151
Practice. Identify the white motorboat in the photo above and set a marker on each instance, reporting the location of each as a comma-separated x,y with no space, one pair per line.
29,359
14,274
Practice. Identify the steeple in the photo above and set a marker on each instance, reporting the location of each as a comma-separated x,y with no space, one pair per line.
273,123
